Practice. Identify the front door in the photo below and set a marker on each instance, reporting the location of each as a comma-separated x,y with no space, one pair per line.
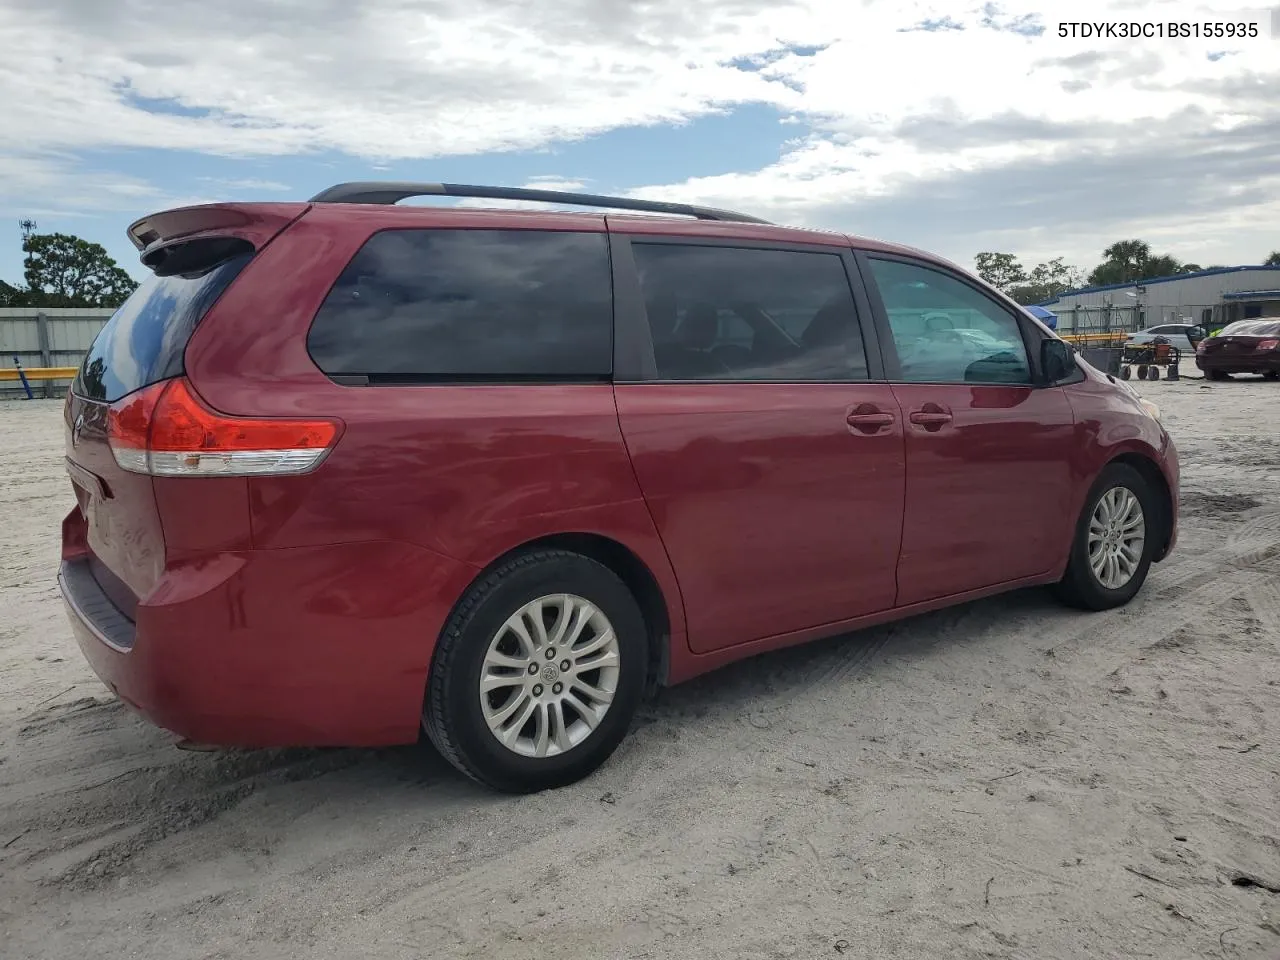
988,453
771,463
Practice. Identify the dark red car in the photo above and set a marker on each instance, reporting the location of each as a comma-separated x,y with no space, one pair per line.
1246,346
347,469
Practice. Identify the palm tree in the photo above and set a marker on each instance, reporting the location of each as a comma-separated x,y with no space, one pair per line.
1127,261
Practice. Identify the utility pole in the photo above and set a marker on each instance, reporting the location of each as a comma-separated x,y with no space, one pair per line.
28,231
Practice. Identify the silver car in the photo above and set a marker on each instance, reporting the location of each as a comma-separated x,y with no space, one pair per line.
1184,336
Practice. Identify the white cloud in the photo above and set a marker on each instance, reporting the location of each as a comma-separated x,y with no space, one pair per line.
553,182
37,183
957,139
544,182
248,184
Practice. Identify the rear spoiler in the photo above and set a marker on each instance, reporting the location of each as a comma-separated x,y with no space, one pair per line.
161,237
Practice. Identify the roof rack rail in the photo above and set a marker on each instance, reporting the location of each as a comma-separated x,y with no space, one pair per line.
391,192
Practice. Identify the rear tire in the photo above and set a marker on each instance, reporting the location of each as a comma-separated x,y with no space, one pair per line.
1107,565
501,630
1272,375
1126,372
1216,375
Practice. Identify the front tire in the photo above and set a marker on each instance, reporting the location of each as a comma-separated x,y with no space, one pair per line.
537,673
1115,539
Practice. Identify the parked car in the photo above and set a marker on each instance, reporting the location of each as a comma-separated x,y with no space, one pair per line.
1246,346
1184,336
345,469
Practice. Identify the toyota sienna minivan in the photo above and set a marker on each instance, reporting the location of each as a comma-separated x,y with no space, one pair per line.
348,470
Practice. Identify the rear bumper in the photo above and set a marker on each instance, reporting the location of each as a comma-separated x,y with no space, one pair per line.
1239,362
89,607
323,646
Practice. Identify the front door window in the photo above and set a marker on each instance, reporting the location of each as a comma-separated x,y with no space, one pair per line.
945,331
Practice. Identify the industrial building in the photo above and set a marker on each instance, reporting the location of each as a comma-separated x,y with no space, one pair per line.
1211,298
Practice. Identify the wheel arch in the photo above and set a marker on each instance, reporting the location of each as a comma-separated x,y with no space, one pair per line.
630,568
1150,471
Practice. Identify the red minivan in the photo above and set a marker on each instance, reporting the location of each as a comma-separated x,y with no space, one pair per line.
346,469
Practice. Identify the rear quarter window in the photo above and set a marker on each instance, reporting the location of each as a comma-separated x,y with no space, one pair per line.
491,305
144,341
743,313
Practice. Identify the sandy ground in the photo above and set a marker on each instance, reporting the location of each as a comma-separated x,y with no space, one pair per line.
1006,779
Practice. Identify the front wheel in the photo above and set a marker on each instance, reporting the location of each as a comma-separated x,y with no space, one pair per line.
537,673
1114,542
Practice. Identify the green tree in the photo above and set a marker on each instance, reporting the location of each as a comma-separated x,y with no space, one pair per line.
62,270
11,296
1273,259
1047,280
1161,266
1001,270
1128,261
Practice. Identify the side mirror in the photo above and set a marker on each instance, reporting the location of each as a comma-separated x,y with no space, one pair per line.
1057,360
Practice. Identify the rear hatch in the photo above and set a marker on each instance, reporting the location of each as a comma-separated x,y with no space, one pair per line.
196,254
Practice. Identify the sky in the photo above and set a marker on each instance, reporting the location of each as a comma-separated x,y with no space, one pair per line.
955,127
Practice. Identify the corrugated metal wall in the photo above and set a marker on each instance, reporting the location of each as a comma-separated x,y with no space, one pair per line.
46,338
1164,296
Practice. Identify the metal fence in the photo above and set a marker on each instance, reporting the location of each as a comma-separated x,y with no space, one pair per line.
46,338
1099,332
1129,318
1089,320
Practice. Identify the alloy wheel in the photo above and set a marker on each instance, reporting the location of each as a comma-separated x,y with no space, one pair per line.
1117,537
549,675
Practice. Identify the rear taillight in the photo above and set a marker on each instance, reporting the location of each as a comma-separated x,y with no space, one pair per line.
1201,345
167,431
1268,344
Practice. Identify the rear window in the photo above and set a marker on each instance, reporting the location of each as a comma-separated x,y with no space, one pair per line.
144,340
1252,328
439,305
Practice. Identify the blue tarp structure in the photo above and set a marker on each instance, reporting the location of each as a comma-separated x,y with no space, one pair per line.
1050,320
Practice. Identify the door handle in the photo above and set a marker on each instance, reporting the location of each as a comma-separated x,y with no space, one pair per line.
871,421
930,416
